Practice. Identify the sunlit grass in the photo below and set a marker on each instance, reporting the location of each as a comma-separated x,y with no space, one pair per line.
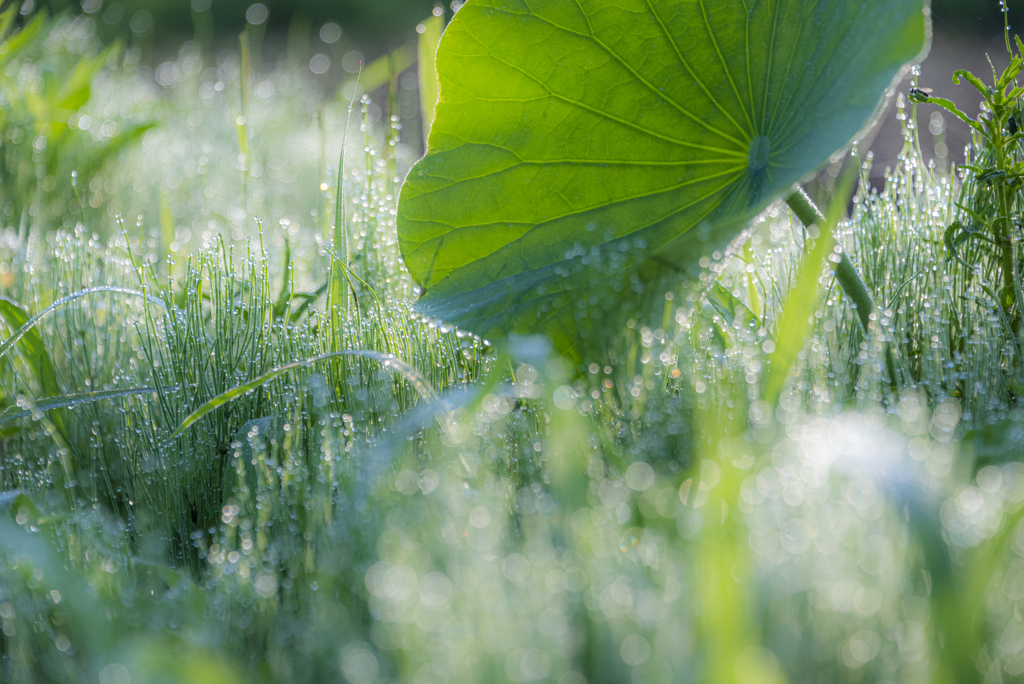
417,506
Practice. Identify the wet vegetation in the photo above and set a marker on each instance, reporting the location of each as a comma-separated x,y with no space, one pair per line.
232,451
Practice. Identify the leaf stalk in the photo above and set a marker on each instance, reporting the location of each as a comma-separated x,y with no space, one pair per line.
847,276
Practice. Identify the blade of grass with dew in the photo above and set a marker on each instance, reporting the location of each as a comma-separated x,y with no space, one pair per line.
804,297
72,400
735,312
7,344
287,294
340,283
389,361
37,358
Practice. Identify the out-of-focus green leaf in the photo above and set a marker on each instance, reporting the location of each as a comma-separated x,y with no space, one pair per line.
426,57
77,88
55,105
13,500
127,136
997,442
7,18
199,666
167,575
13,45
804,296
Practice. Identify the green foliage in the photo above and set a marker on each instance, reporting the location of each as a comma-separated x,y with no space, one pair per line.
982,236
433,28
35,356
264,488
566,151
990,206
389,362
803,299
47,74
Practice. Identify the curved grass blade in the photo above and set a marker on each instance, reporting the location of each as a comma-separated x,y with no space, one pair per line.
6,345
69,400
31,345
389,361
37,358
805,295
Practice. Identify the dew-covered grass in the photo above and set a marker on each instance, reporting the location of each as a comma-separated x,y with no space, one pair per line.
216,467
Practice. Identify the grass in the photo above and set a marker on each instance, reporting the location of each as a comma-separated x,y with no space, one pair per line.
218,481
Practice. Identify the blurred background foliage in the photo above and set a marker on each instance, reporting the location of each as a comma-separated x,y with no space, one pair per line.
372,23
346,32
378,24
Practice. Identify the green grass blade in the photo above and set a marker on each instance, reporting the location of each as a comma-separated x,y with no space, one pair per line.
796,312
24,328
340,285
389,361
803,298
36,357
30,343
70,400
735,312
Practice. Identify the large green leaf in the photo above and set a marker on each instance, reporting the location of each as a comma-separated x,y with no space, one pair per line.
576,140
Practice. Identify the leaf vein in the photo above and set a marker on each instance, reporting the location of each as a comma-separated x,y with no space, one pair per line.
611,117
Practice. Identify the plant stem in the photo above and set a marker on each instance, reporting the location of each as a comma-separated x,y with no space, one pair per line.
1003,229
846,273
